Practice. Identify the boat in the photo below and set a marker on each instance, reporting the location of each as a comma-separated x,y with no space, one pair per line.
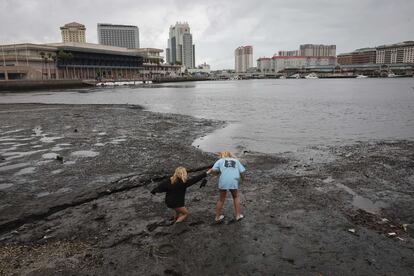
122,83
294,76
392,75
361,77
311,76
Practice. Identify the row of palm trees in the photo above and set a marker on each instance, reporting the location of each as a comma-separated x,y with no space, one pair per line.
47,58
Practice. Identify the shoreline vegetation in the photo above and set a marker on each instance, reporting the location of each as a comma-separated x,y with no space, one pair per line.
75,184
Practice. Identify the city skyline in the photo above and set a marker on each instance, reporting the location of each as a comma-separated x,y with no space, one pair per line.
218,27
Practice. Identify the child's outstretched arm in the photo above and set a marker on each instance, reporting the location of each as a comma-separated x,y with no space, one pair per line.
162,187
193,180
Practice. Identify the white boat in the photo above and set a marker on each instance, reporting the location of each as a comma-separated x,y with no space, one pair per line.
121,83
311,76
361,77
295,76
392,75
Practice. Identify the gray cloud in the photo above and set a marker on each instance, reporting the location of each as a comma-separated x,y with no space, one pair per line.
219,27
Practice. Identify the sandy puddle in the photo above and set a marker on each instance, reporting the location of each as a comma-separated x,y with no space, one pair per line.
363,202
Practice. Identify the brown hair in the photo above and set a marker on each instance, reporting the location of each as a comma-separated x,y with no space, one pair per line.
180,173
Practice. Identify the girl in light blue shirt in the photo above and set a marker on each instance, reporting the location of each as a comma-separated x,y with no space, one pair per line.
231,174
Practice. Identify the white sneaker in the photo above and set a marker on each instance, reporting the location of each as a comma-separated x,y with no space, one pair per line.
220,219
240,217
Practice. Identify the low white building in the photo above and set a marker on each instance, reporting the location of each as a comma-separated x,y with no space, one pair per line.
280,63
264,64
202,69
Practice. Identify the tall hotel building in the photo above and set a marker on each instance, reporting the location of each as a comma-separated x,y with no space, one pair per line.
73,32
243,57
181,49
126,36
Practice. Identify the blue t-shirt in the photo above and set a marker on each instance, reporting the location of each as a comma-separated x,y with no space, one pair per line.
230,169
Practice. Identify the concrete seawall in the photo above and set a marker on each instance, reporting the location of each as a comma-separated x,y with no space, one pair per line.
24,85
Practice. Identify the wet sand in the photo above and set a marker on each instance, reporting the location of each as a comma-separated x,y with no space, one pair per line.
74,200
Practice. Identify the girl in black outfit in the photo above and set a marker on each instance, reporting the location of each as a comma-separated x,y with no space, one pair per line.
175,188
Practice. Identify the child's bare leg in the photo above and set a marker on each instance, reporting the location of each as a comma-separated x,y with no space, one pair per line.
182,214
220,203
236,203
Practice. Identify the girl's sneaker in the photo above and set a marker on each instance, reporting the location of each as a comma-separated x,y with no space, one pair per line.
220,219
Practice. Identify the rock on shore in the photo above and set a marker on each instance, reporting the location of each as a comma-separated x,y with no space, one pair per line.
74,199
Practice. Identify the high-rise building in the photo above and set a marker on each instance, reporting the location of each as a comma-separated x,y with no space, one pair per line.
243,57
316,50
73,32
181,49
126,36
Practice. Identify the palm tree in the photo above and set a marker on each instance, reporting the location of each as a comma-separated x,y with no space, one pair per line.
48,58
54,58
42,55
64,57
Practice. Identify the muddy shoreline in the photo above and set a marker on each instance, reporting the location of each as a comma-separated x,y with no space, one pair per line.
74,200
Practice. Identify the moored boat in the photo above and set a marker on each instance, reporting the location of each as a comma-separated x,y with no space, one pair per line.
312,76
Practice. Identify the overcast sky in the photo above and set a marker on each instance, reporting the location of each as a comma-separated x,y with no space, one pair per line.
219,26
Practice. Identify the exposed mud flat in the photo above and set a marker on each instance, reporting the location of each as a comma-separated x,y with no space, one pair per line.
74,199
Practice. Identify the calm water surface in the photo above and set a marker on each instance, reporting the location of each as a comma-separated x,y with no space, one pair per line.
268,115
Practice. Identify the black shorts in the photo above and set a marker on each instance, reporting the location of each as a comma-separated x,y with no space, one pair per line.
231,190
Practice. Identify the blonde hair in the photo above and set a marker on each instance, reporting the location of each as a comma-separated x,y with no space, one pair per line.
180,173
224,154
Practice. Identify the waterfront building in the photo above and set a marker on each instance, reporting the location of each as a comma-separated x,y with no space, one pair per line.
73,60
153,63
202,69
402,52
264,65
344,59
181,49
308,55
73,32
280,63
359,56
398,53
243,57
27,61
204,66
126,36
317,50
